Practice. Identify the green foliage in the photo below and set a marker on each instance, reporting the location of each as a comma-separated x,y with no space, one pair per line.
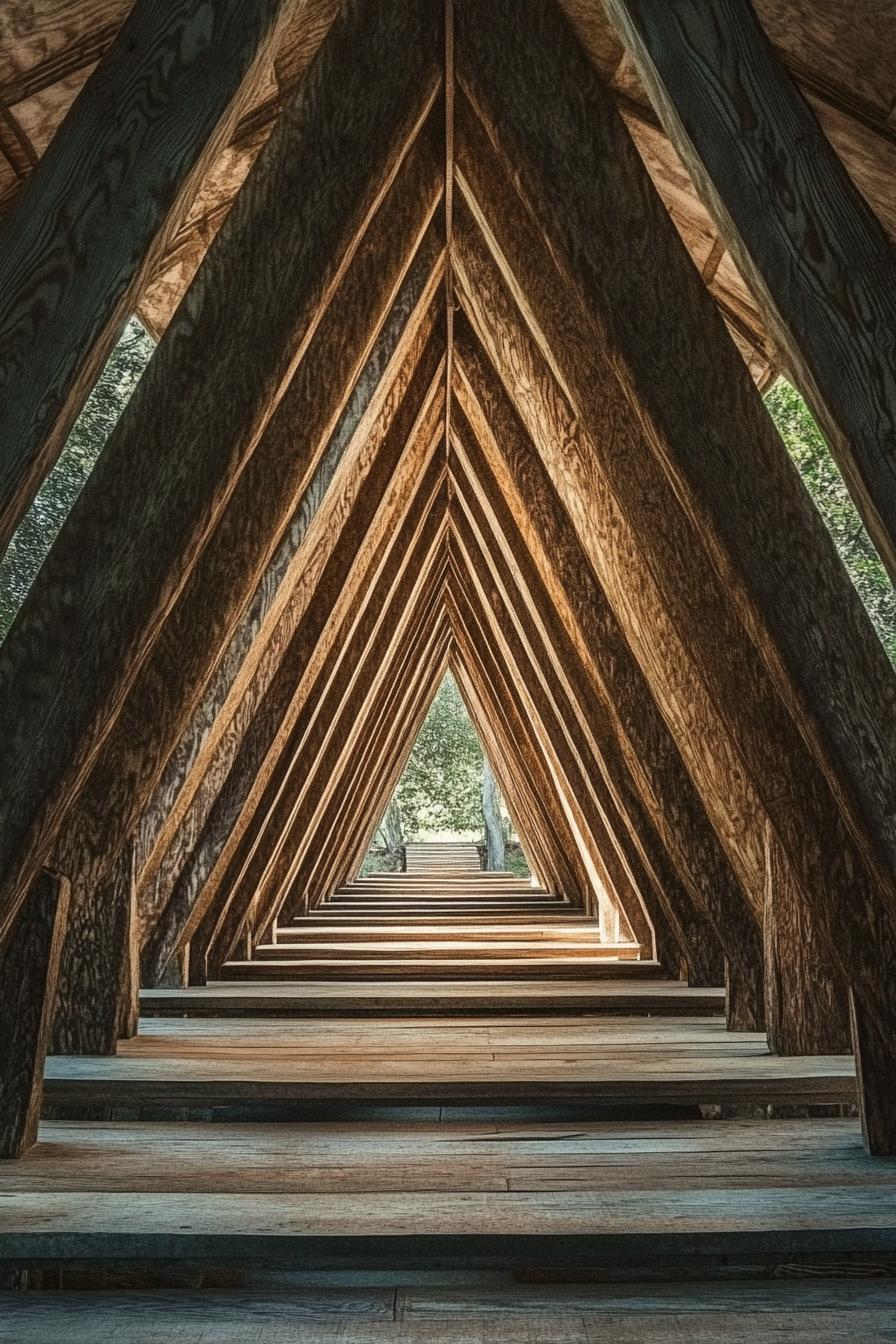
38,529
441,788
810,452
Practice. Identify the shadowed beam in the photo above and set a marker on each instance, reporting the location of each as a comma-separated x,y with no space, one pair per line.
610,261
518,741
321,747
369,493
114,183
252,684
814,253
29,961
276,499
198,414
399,686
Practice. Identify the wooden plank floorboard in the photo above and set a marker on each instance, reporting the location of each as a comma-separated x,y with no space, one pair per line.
826,1313
622,1062
419,998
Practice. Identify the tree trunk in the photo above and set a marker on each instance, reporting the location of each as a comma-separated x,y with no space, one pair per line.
494,829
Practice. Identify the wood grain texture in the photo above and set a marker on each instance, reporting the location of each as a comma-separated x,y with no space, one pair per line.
98,981
253,749
737,486
29,963
806,996
285,242
760,753
175,807
834,1311
810,246
649,755
104,190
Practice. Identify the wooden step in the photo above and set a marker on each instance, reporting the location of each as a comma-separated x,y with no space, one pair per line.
432,967
535,1062
631,997
447,949
832,1311
561,933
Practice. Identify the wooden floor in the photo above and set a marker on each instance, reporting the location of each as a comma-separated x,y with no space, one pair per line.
835,1312
439,925
631,995
620,1061
550,1158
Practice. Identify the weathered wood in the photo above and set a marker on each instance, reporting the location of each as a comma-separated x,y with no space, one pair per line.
649,754
324,747
252,685
842,883
286,241
99,981
112,185
573,767
502,435
275,501
806,996
802,234
876,1079
305,443
29,962
298,657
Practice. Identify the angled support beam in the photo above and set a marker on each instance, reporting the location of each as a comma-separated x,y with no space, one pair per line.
177,453
249,681
276,499
829,817
315,430
117,176
802,234
29,962
246,772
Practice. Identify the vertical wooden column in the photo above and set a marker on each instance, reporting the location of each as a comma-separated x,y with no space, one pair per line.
876,1073
97,997
806,996
29,962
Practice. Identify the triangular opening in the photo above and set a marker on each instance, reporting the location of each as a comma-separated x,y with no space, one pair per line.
447,806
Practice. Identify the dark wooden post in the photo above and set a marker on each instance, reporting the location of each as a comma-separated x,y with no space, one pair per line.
876,1074
806,996
813,251
97,1000
75,252
29,961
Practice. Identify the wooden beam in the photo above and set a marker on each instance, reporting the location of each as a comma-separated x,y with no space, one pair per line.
699,412
249,670
275,500
300,649
812,250
117,176
806,998
98,985
350,366
649,754
29,961
322,745
178,450
616,478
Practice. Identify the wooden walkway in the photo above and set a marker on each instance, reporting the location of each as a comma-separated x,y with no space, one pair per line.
438,924
621,1062
441,857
